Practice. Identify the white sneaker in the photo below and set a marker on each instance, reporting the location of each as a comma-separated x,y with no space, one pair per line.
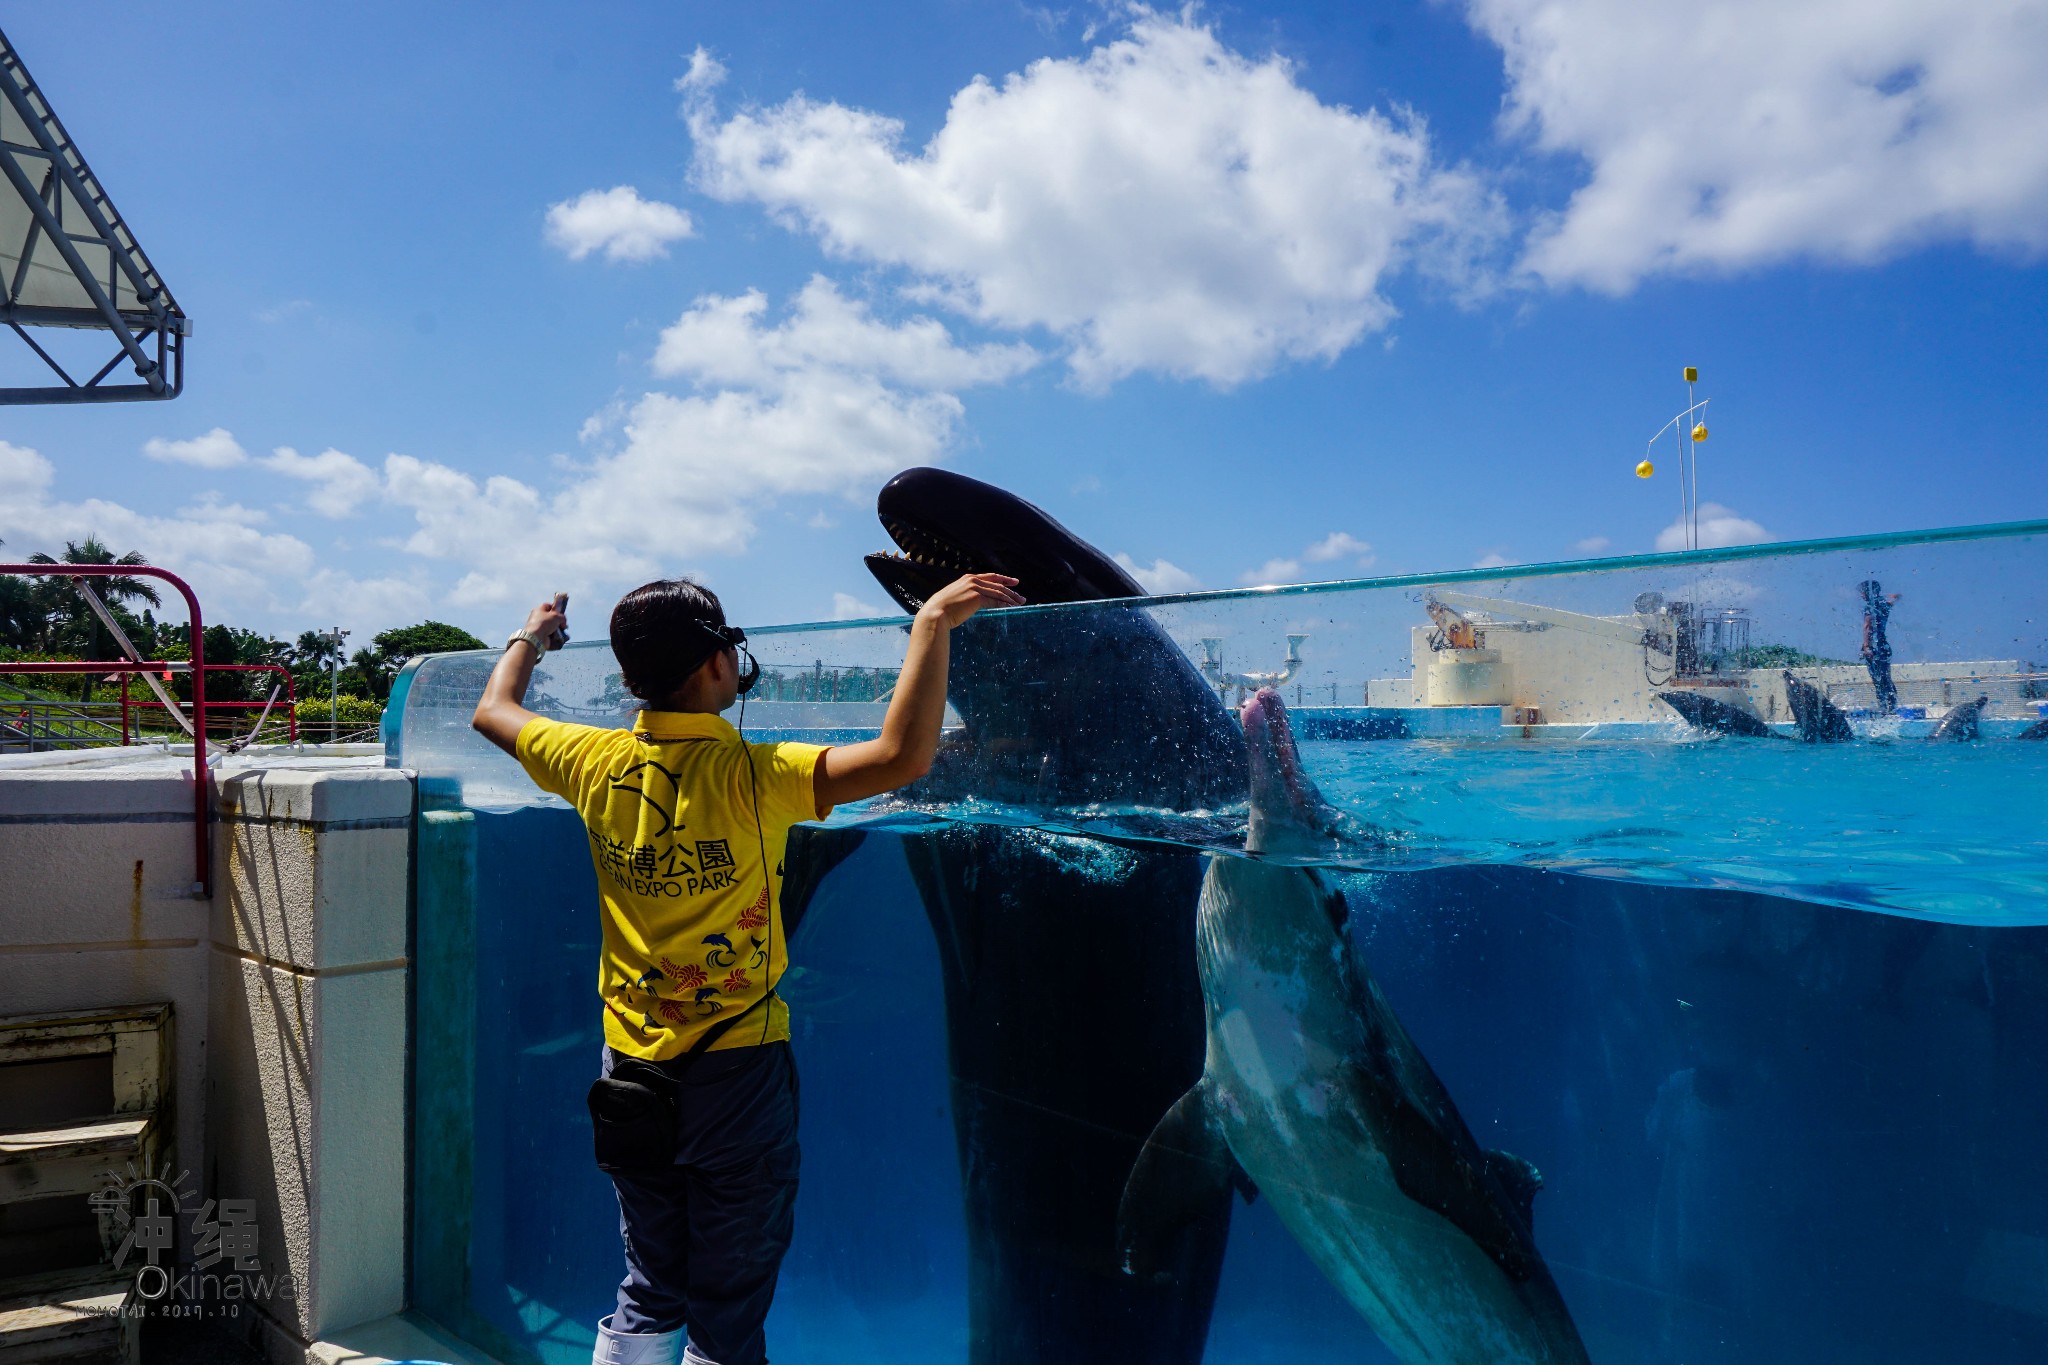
637,1348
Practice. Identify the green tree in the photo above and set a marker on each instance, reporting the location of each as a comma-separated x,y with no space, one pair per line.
428,637
70,623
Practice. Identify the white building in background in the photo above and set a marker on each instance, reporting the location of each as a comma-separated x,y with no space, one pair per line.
1548,666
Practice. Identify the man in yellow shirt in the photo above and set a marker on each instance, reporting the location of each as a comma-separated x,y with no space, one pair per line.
695,1108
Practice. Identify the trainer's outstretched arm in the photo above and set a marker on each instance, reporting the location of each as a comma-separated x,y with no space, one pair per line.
500,712
910,731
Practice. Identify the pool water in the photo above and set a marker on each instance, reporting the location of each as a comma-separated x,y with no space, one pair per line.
1772,1020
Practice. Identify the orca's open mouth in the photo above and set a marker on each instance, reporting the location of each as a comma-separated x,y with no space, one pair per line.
946,524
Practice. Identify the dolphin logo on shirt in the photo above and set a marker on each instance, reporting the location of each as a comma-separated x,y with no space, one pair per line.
656,786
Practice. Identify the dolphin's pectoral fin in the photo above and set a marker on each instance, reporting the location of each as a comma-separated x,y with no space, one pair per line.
1442,1176
1520,1179
1185,1168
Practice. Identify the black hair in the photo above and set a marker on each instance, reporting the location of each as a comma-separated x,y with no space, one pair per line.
654,638
1869,587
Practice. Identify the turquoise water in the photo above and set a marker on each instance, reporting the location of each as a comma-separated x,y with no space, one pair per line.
1772,1020
1941,831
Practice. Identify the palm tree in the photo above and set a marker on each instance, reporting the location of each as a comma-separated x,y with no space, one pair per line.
73,619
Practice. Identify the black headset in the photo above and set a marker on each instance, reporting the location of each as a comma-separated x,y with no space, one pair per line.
735,639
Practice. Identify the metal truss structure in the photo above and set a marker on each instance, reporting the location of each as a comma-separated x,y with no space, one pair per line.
67,259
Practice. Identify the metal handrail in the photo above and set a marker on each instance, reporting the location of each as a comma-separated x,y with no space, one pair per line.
202,787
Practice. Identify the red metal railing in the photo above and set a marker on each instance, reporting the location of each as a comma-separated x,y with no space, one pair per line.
130,704
202,824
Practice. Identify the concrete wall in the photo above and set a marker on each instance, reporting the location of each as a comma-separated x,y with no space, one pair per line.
98,907
288,987
307,1101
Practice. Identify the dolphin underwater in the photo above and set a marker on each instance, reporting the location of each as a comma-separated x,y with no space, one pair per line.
1313,1093
1073,1008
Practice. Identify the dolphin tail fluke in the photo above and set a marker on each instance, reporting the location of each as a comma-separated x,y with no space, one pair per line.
1520,1179
1185,1167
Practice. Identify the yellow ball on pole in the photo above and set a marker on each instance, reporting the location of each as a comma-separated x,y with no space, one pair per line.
1699,433
1645,470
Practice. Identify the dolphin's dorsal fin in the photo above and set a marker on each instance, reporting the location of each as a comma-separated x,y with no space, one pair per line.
1520,1179
1447,1175
1337,908
1184,1173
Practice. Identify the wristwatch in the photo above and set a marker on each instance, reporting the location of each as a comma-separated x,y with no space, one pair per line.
527,637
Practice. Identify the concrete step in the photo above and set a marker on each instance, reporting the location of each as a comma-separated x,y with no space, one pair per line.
77,1319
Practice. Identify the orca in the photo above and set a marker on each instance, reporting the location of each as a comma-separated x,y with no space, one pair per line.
1819,720
1058,708
1714,715
1073,1008
1962,722
2038,730
1313,1092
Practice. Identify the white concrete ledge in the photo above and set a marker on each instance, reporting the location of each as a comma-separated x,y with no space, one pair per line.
392,1340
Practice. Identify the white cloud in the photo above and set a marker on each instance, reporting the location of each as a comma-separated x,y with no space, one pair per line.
217,449
211,506
787,410
1733,134
1288,569
363,606
1719,527
1493,559
213,546
720,341
1340,545
1161,203
1592,545
847,607
341,483
1162,576
704,75
617,222
1273,571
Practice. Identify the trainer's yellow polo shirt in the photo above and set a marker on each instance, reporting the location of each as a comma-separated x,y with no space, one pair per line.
690,889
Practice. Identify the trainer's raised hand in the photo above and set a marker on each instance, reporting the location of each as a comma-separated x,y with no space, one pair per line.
968,594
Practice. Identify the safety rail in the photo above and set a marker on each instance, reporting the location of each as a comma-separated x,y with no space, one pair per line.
128,705
202,793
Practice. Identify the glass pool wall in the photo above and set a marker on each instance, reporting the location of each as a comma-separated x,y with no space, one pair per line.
1770,1017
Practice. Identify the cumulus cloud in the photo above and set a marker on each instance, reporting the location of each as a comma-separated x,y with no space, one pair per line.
341,483
617,222
1338,545
1493,559
214,545
1592,545
784,408
1719,527
1161,203
217,449
720,340
1160,577
1271,573
1747,131
847,607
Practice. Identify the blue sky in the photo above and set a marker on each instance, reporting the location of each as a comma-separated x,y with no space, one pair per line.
494,300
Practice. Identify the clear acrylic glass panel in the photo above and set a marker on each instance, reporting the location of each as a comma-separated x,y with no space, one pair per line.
1766,1009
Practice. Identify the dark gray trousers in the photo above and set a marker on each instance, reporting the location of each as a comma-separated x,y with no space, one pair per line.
705,1239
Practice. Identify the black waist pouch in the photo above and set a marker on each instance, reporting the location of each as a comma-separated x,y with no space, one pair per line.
633,1112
